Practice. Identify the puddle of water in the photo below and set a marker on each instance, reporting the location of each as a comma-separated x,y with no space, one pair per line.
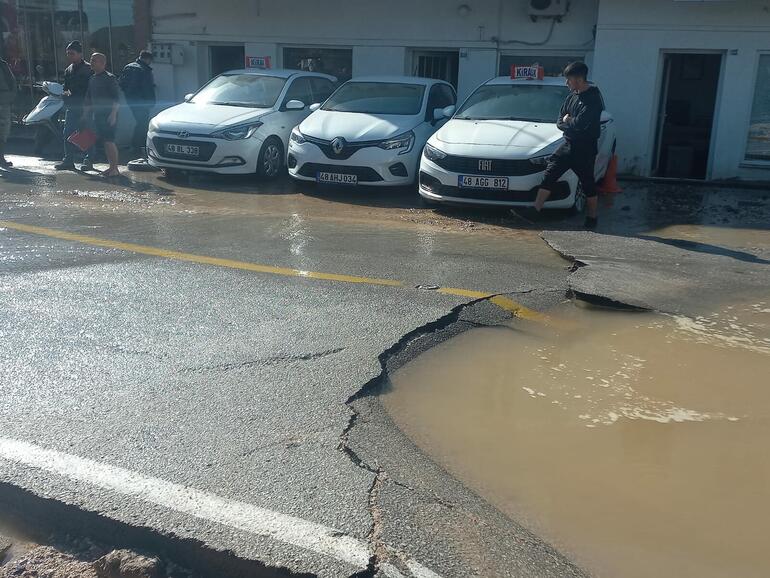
637,443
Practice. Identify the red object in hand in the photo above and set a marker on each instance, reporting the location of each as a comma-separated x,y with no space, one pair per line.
83,139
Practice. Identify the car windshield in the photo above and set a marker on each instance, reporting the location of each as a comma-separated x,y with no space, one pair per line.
247,90
377,98
529,102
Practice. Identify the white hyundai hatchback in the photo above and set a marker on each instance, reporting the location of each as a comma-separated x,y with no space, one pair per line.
496,148
371,131
238,123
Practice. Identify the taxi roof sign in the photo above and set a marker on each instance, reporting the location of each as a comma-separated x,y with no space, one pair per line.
532,72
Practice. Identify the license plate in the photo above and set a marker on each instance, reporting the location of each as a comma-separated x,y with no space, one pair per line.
475,182
337,179
187,150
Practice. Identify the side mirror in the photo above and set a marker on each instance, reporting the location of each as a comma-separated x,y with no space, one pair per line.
188,97
442,113
294,105
314,107
606,117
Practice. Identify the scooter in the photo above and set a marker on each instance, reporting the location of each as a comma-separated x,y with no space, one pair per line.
47,115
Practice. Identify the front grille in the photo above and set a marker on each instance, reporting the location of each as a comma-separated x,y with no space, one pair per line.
364,174
348,150
561,191
206,149
493,167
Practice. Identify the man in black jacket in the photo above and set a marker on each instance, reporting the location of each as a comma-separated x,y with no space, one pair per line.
76,78
580,121
138,85
7,96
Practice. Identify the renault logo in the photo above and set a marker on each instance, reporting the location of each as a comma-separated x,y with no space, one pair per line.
338,145
485,165
183,134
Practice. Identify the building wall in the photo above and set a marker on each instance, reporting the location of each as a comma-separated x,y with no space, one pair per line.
381,34
631,39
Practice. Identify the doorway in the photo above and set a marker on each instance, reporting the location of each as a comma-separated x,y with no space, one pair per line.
437,64
224,58
686,115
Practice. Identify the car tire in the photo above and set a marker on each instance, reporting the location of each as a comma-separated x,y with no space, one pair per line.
271,163
580,201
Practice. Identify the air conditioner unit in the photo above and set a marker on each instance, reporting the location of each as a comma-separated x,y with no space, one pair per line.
548,8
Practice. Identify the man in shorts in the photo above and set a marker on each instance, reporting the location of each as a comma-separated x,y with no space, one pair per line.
7,96
580,121
102,103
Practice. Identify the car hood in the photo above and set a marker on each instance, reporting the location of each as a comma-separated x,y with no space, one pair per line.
355,126
496,137
205,118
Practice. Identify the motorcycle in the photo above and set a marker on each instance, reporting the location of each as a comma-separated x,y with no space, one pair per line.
47,116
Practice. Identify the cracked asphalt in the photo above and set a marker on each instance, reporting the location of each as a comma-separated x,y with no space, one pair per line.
130,378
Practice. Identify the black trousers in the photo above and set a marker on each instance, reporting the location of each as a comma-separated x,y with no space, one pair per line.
580,157
141,114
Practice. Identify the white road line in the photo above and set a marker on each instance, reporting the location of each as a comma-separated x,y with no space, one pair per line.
203,505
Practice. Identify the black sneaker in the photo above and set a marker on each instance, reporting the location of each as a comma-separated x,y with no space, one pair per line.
65,166
591,223
87,166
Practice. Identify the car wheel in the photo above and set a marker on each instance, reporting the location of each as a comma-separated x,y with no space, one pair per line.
270,162
580,201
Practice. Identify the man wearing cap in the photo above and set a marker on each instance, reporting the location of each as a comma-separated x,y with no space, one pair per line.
76,78
580,121
7,96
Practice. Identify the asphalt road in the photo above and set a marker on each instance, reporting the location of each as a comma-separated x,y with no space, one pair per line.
202,360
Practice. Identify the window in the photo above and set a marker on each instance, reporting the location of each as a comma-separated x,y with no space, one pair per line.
377,98
299,90
247,90
554,65
758,148
441,96
335,61
527,102
322,89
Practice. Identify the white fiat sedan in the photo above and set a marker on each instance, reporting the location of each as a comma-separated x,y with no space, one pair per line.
370,132
238,123
496,148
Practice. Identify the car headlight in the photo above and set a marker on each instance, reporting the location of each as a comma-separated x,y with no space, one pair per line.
297,137
541,161
434,154
404,141
240,132
154,126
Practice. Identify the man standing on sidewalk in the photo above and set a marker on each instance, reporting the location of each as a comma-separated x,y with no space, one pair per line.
138,85
102,102
76,78
7,96
580,121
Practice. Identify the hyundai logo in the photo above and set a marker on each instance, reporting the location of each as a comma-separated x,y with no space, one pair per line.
338,145
183,134
485,165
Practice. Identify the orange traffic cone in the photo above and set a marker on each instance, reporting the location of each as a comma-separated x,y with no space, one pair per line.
609,183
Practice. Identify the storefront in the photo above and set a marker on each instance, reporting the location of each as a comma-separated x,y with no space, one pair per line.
35,33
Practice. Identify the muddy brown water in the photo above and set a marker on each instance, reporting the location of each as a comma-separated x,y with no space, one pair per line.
637,443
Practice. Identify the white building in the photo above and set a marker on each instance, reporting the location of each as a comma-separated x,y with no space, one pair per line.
688,80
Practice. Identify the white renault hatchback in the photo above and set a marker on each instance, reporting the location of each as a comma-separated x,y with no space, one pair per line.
371,131
238,123
496,148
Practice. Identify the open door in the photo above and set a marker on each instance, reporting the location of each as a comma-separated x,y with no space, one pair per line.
686,115
224,58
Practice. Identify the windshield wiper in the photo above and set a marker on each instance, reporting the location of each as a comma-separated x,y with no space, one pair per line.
241,104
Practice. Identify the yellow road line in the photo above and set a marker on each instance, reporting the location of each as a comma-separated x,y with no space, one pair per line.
503,302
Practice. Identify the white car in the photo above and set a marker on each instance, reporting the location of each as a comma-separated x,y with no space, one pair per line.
238,123
496,148
371,131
